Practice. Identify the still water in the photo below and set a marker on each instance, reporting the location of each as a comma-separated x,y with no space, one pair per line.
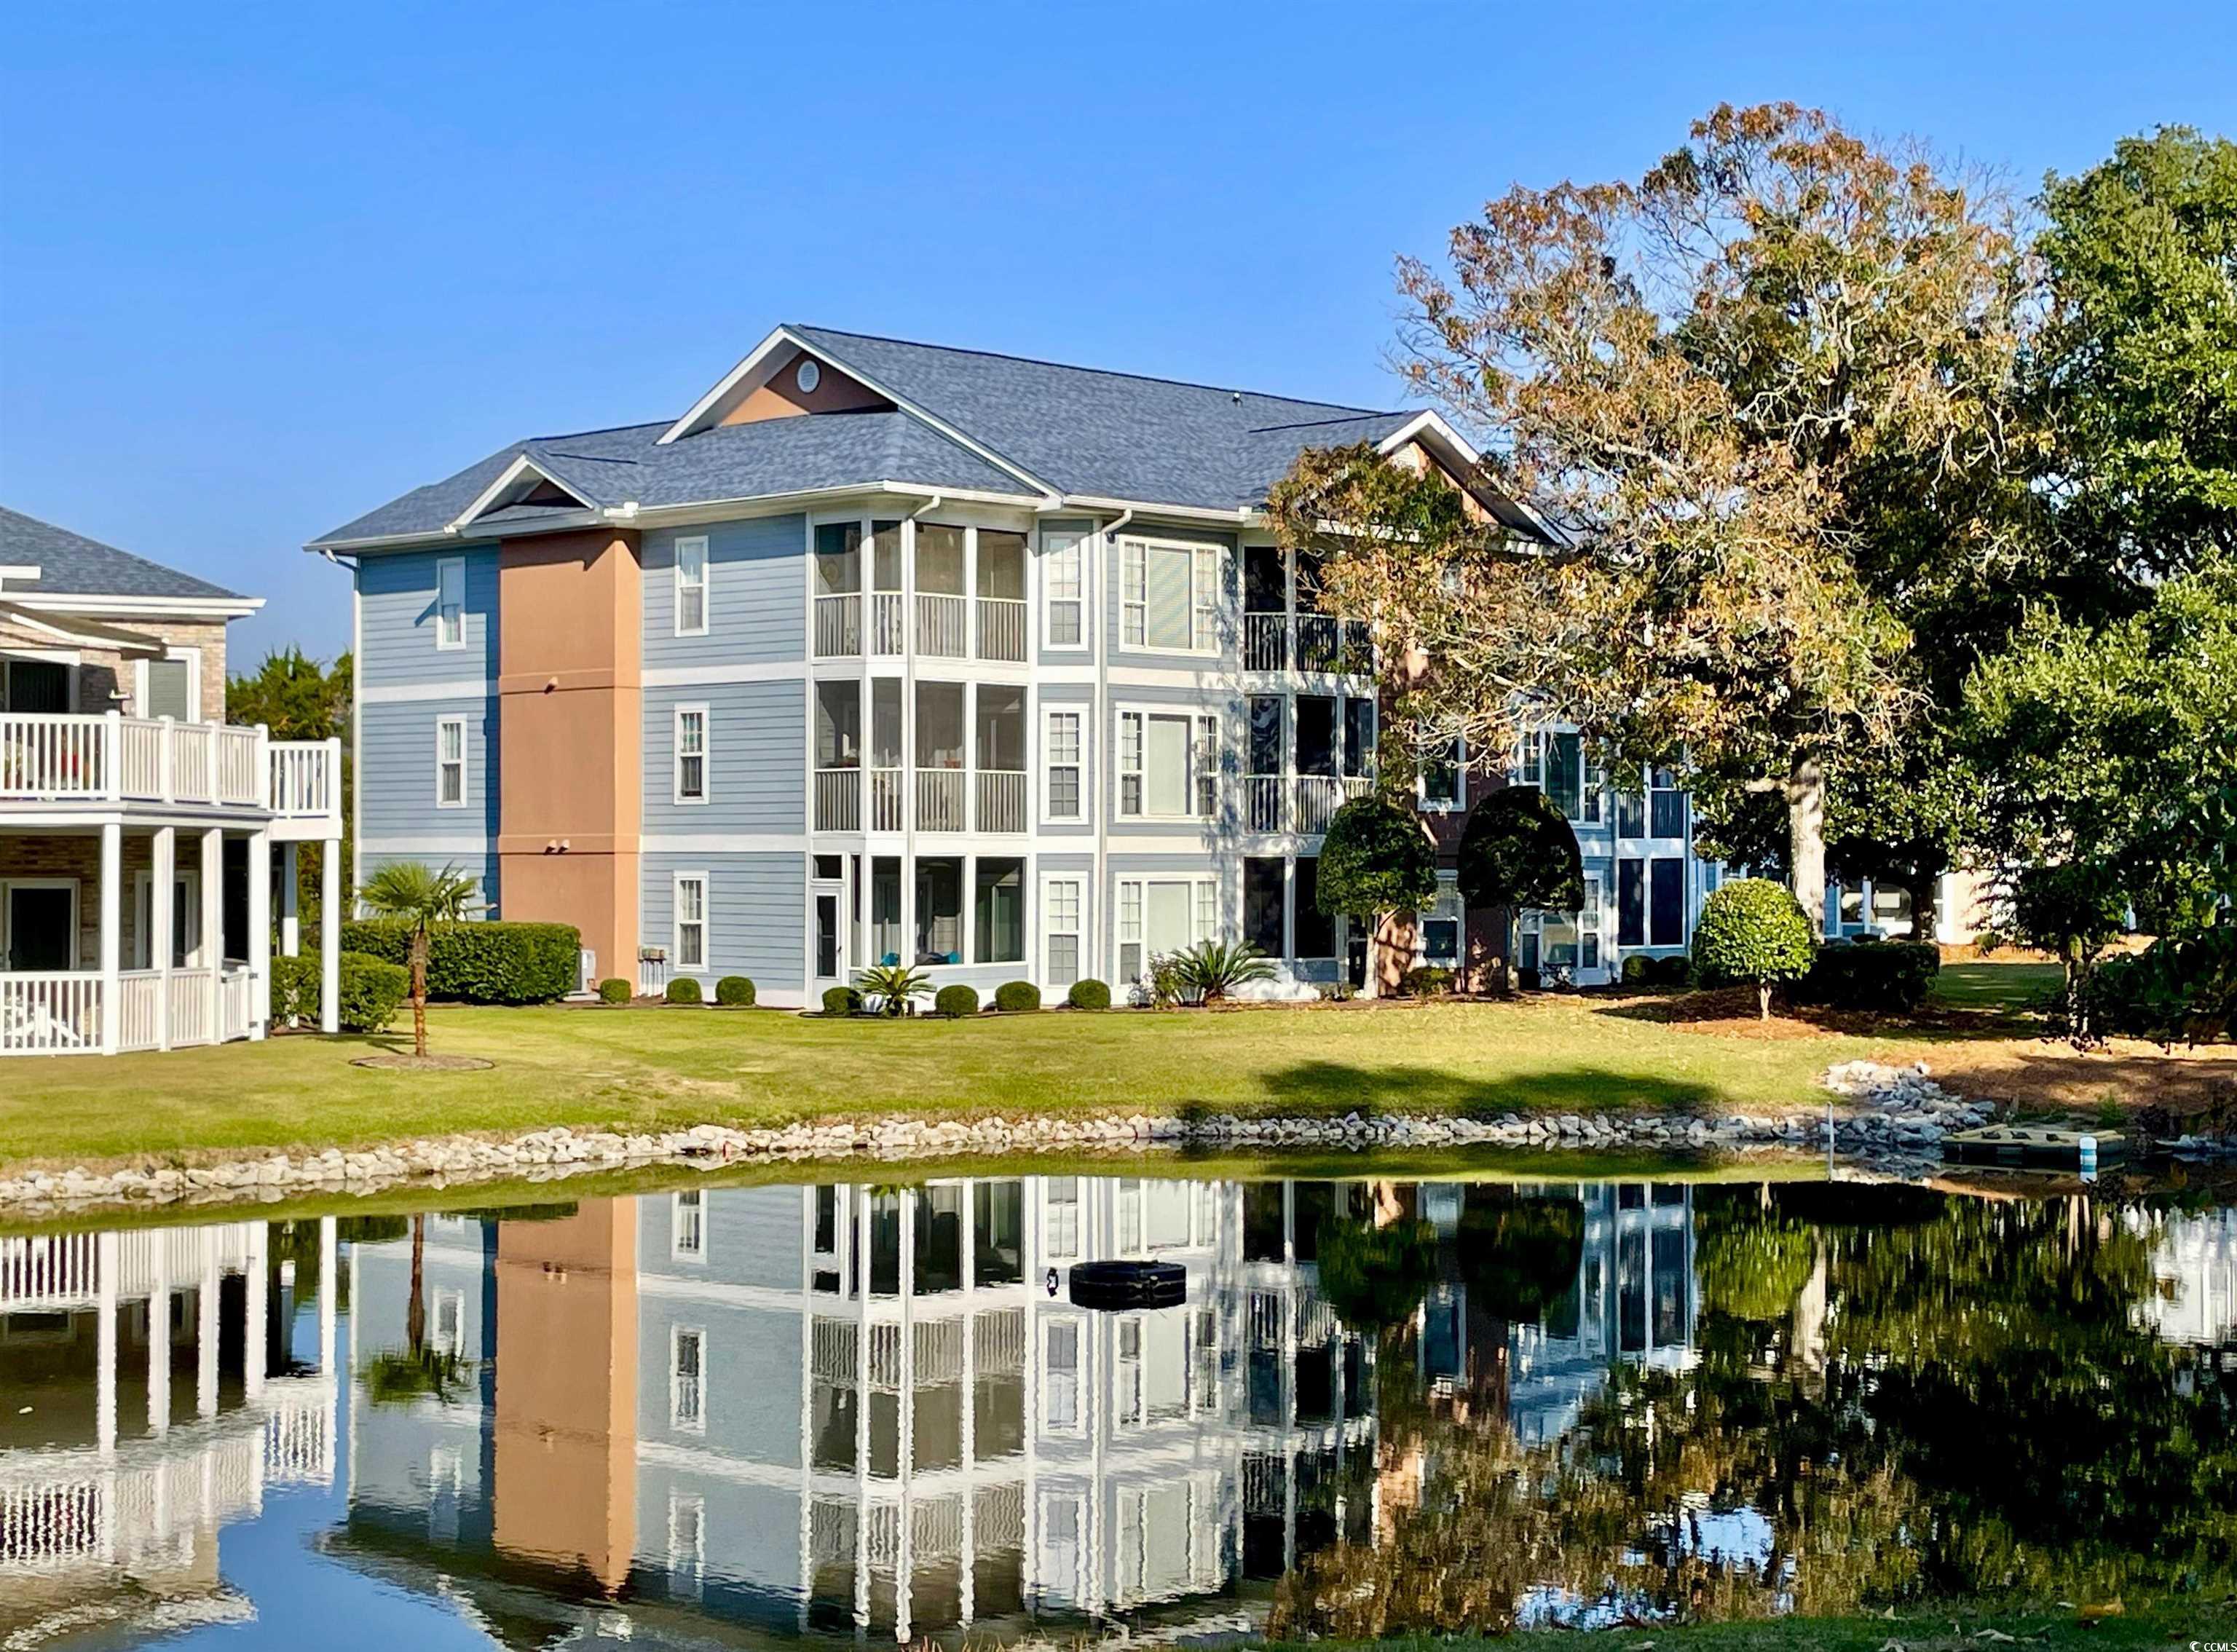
835,1412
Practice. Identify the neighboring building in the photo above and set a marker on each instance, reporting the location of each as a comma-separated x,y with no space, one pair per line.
887,652
129,810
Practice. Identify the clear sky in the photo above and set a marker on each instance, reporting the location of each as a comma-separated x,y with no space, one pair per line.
264,267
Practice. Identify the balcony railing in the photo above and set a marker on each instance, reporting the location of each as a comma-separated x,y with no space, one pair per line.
838,624
1001,799
943,625
889,634
885,813
941,794
113,759
59,1012
1300,803
838,799
1001,629
1265,642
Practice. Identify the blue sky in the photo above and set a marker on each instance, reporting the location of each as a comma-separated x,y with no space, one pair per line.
263,268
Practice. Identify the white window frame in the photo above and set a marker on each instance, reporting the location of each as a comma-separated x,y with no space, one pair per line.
696,1422
699,710
1051,910
1053,559
702,585
677,921
186,898
449,617
1203,750
465,779
76,913
1132,928
678,1250
1077,714
687,1565
67,659
1134,596
1448,907
1078,1325
193,657
1459,799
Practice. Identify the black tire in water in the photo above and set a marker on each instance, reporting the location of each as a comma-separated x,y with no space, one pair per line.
1118,1285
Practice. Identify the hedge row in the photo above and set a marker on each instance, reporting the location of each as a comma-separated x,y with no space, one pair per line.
372,992
1892,977
480,963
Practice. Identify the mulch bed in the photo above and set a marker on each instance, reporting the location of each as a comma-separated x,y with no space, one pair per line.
405,1063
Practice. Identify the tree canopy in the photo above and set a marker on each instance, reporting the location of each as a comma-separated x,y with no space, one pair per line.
1519,850
1375,859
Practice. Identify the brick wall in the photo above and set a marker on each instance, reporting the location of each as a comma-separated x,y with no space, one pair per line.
77,855
106,678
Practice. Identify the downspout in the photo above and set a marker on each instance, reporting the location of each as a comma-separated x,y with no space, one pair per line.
1106,748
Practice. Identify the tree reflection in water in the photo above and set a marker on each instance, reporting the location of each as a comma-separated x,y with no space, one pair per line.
1967,1401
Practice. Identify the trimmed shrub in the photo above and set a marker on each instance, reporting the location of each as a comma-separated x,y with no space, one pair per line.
614,990
373,989
1753,931
1638,969
683,989
1676,970
480,963
1088,994
842,1001
295,988
956,1001
736,992
1016,996
1893,976
1427,981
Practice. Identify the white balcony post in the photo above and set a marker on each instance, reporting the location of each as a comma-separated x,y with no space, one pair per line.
330,935
104,1378
253,1349
213,893
259,931
329,1243
206,1294
112,933
159,1334
166,759
162,880
112,755
291,923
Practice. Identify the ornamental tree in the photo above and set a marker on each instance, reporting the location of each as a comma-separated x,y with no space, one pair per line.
1753,931
1518,849
1375,862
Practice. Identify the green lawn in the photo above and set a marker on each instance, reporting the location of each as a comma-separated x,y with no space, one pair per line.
1994,986
644,1068
2161,1624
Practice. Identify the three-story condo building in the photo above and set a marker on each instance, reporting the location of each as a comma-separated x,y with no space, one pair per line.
888,653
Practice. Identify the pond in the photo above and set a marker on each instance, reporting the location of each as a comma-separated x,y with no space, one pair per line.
835,1410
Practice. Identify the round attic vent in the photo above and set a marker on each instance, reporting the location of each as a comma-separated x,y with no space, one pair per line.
808,376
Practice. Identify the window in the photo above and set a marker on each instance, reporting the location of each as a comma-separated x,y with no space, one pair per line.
1554,761
34,685
1666,804
1060,904
1312,931
1529,762
687,1227
1168,596
1063,800
449,1330
691,753
1442,768
687,1545
168,689
1359,737
1441,928
1161,916
687,1369
1060,1389
1063,1238
1168,764
688,951
450,762
999,910
1666,902
450,602
1265,880
691,586
1064,586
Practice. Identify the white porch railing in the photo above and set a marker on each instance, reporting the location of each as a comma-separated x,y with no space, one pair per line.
886,799
1317,639
139,1009
1001,799
50,757
1265,642
193,1015
50,1013
59,1013
943,625
48,1271
838,624
1300,803
838,799
1001,629
941,794
889,634
1263,796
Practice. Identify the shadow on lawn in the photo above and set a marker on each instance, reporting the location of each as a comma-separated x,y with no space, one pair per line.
1732,1009
1335,1088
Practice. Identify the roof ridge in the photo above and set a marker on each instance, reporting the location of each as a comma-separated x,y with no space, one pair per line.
1102,373
1316,424
601,429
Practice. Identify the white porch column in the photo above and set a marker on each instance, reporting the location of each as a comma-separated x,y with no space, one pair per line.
206,1293
104,1403
291,927
253,1350
162,926
259,929
112,936
159,1334
213,893
330,935
329,1243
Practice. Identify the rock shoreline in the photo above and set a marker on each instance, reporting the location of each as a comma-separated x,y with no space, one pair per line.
1877,1113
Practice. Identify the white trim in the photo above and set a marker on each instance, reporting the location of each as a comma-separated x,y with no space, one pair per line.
676,963
73,670
90,634
1422,800
678,585
1078,880
1198,552
677,1250
521,464
400,693
1081,714
1460,454
444,567
75,885
1042,563
92,603
697,1422
1196,717
465,785
705,754
141,953
192,655
704,677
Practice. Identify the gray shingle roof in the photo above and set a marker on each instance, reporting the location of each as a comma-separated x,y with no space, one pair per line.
72,565
1081,431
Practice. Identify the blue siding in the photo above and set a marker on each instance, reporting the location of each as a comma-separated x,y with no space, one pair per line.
756,595
756,913
1229,659
757,758
397,781
396,617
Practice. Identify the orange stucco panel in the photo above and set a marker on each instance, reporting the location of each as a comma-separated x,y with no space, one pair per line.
781,396
570,705
566,1426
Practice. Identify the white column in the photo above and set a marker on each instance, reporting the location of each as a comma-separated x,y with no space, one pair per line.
206,1293
105,1353
330,935
260,929
161,927
159,1334
291,925
213,892
329,1243
253,1338
112,936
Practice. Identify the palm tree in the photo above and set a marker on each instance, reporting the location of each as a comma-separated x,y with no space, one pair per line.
400,1376
412,891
